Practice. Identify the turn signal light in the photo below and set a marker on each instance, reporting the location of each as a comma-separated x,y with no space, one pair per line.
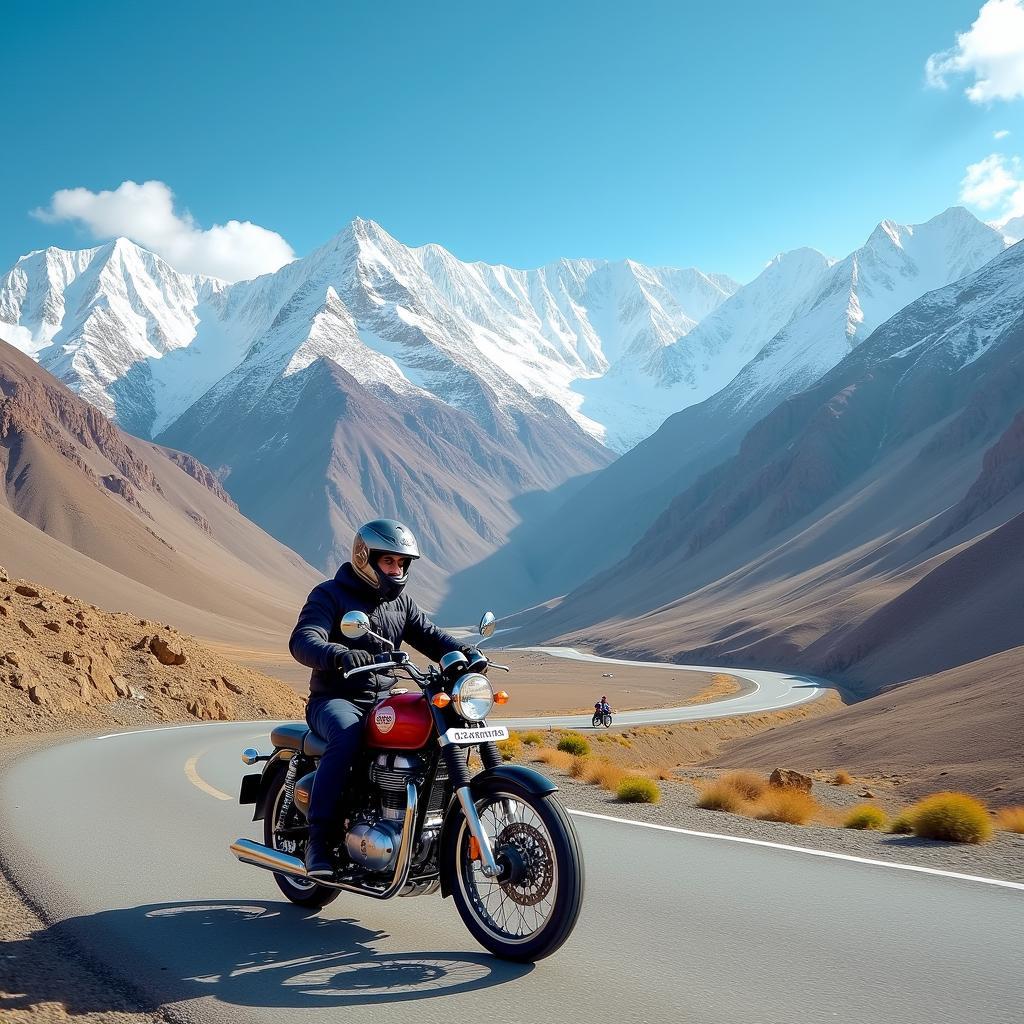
474,848
441,700
501,697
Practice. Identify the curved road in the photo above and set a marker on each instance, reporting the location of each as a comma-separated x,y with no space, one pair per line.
766,691
123,841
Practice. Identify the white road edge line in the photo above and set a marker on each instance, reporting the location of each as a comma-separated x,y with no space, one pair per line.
196,779
802,849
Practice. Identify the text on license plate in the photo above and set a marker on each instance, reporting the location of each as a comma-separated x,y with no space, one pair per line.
485,735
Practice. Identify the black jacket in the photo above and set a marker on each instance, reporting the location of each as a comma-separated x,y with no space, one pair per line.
317,640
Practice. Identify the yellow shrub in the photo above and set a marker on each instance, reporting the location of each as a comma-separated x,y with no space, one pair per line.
532,739
789,805
511,748
902,824
842,778
636,790
865,816
721,796
1011,819
748,784
954,817
575,744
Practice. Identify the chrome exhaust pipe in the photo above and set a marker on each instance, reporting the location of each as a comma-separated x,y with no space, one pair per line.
249,852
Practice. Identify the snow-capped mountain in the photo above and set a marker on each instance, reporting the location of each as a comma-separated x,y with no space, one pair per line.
144,343
826,309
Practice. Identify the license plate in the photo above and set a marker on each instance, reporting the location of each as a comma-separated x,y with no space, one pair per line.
473,736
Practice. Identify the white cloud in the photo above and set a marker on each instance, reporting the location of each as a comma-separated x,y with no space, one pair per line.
1000,134
992,50
996,185
145,213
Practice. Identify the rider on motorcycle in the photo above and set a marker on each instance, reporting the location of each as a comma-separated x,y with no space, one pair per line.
372,582
602,707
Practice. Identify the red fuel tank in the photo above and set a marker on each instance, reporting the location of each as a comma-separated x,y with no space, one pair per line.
400,722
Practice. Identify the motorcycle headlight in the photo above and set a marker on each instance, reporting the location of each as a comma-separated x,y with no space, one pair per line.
473,697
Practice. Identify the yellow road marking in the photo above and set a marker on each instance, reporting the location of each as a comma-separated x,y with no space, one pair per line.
193,776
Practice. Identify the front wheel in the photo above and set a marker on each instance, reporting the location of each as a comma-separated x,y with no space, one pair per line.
606,721
531,908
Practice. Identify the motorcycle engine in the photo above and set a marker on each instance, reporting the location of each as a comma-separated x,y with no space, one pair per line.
373,840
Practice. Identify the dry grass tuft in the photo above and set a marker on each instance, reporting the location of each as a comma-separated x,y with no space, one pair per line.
604,774
532,739
1011,819
749,785
788,805
866,816
842,778
721,796
636,790
954,817
559,759
578,767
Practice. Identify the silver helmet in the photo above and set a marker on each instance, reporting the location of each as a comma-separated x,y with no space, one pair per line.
383,537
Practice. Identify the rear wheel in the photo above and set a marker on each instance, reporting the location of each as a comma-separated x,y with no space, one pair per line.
531,908
298,890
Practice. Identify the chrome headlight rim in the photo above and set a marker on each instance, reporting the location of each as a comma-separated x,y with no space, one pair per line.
470,705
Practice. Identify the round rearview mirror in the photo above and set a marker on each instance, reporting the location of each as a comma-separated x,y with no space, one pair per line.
487,624
355,624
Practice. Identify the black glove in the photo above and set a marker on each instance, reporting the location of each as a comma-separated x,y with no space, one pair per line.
348,660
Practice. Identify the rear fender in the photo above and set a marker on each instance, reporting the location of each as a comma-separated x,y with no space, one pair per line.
503,776
277,765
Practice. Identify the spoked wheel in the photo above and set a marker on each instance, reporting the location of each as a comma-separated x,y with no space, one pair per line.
606,721
531,908
596,721
298,890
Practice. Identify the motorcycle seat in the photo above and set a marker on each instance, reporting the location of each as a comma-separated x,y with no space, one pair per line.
298,736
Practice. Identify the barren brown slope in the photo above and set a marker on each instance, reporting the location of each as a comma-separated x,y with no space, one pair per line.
106,515
959,729
319,454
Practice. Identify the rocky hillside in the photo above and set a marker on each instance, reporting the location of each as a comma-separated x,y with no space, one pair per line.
66,664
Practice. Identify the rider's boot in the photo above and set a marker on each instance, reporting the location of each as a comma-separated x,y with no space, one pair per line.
318,854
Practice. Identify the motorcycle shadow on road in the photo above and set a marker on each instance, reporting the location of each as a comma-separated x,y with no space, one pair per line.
251,954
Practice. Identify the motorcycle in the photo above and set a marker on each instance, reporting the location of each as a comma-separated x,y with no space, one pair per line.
415,819
602,718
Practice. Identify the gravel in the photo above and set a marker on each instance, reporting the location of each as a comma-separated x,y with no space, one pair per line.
1002,858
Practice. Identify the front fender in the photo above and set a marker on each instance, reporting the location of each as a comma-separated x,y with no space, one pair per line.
502,776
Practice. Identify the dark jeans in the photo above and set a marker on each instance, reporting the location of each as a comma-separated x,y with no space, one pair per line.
340,723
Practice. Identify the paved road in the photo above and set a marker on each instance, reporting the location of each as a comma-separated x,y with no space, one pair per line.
765,691
128,855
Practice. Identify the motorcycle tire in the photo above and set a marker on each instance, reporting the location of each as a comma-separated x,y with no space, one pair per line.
299,891
606,721
596,721
538,846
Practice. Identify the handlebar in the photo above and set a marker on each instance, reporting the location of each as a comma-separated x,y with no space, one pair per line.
403,662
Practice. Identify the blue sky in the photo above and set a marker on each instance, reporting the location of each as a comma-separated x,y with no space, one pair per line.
712,135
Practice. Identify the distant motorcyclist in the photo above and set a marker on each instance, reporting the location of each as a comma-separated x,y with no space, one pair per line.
602,707
372,582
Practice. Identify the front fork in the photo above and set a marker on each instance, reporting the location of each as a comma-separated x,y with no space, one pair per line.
458,772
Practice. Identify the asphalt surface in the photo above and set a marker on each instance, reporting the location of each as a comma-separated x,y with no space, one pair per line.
123,842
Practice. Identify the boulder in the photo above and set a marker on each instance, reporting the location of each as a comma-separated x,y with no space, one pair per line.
54,627
69,658
121,687
25,590
3,611
787,778
167,652
101,675
231,685
26,628
38,694
11,657
4,578
17,680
